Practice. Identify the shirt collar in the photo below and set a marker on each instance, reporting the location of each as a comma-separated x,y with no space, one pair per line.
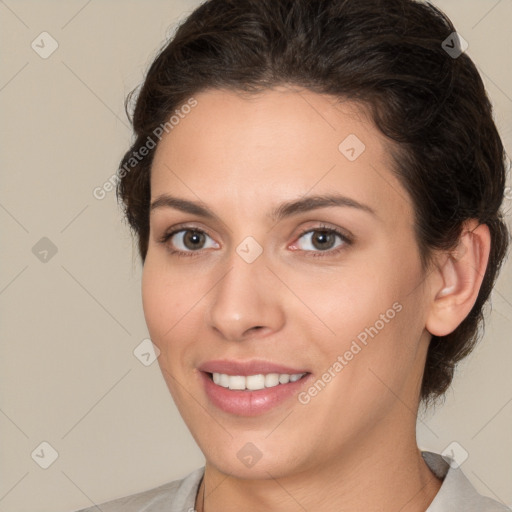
456,491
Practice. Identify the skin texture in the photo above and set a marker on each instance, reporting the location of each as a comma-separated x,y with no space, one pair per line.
353,446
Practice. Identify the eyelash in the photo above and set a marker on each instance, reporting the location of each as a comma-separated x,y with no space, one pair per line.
315,254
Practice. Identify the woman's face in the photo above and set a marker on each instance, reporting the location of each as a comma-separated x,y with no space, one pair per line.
266,280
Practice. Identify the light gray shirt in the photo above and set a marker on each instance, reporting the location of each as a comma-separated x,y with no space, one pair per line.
456,494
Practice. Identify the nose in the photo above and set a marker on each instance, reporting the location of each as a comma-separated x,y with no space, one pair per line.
246,300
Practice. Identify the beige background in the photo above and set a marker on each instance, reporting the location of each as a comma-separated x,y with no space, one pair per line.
69,325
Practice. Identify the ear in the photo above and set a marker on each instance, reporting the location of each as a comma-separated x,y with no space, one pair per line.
456,281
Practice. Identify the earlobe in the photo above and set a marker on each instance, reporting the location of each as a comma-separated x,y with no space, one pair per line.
456,282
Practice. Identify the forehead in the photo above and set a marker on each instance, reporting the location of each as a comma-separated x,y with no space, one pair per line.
275,145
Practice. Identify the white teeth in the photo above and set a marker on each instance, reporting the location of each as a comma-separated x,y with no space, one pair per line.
254,382
224,380
271,380
236,382
284,378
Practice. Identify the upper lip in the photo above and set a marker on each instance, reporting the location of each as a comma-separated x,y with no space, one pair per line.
252,367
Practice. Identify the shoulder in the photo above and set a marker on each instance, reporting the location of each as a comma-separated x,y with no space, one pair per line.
178,495
457,493
489,505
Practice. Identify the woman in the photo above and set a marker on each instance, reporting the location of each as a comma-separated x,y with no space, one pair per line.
315,187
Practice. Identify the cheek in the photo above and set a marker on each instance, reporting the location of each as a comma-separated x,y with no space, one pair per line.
165,301
374,313
154,302
346,301
166,304
173,304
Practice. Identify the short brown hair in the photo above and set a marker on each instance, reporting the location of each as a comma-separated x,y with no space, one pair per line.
390,57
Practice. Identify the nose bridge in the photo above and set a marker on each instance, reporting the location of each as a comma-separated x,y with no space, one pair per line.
241,299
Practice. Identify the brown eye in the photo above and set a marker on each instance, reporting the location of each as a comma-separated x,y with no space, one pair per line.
322,240
193,240
187,241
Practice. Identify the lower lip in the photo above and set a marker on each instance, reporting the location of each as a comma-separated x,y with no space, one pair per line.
250,403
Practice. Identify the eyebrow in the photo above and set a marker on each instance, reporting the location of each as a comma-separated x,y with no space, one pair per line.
284,210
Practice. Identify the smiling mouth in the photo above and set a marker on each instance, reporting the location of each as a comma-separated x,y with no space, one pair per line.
254,382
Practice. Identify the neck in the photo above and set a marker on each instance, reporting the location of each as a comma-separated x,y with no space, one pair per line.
385,476
377,484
